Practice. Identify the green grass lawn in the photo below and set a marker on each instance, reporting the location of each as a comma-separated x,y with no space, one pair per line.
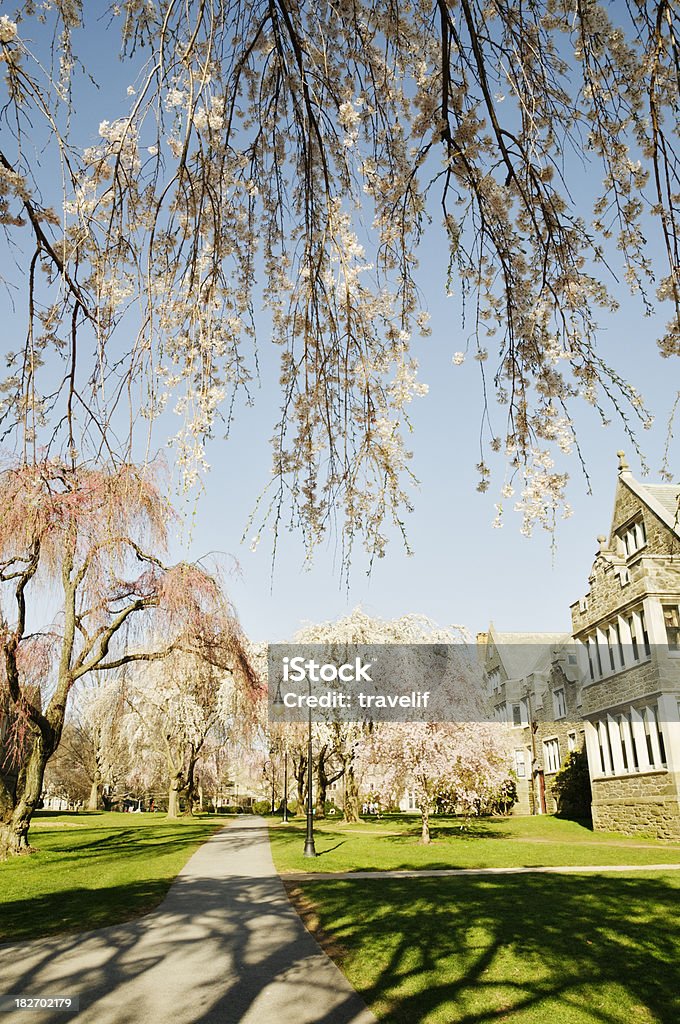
393,842
94,869
529,949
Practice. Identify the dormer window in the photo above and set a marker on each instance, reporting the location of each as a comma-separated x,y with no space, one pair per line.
633,537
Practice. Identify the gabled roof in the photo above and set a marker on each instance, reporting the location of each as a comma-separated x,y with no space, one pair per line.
523,653
661,499
668,496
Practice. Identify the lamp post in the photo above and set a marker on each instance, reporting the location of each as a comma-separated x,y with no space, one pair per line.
285,785
279,700
310,850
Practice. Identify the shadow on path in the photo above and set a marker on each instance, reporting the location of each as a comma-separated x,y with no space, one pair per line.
225,946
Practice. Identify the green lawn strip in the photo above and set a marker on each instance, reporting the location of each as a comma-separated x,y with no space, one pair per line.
93,870
492,842
573,949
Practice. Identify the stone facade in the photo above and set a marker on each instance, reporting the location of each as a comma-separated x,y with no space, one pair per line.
533,683
618,674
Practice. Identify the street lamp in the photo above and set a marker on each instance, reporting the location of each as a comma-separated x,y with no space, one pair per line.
310,850
285,785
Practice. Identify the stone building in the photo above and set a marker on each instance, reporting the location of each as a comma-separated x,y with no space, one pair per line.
533,684
614,684
627,632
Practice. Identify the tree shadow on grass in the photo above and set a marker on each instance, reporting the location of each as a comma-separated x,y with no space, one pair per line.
109,841
529,948
219,950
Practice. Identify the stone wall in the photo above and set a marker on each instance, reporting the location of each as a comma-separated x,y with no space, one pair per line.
637,804
622,688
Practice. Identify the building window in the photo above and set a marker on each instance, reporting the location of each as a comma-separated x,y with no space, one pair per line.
559,703
494,680
551,755
645,634
619,645
630,622
671,618
634,537
520,764
622,642
630,742
571,742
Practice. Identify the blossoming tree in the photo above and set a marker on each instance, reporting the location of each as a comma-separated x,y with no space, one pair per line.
325,137
94,536
353,748
467,759
177,705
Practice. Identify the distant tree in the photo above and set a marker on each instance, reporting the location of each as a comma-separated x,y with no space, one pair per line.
342,746
68,773
310,145
434,759
179,702
93,537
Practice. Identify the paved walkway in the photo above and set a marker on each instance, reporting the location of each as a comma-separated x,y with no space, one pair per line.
225,947
315,876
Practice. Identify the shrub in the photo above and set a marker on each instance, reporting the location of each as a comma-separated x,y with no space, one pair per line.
571,788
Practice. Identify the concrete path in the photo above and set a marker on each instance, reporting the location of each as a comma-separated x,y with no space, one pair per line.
316,876
225,947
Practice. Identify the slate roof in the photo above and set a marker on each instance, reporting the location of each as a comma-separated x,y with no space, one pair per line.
523,653
662,499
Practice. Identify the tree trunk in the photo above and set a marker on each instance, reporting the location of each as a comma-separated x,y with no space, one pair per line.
174,791
321,785
351,803
19,809
95,801
14,837
191,788
300,776
425,815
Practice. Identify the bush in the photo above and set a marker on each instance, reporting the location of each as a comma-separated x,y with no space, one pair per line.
262,807
503,800
571,788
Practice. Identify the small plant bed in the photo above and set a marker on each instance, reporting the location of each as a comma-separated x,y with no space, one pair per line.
94,869
392,843
573,949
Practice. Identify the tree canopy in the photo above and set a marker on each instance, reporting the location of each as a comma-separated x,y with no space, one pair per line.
295,153
83,533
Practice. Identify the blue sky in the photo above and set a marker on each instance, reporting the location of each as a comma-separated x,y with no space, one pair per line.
463,571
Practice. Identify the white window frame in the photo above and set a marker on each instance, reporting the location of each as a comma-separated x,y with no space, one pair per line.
551,755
